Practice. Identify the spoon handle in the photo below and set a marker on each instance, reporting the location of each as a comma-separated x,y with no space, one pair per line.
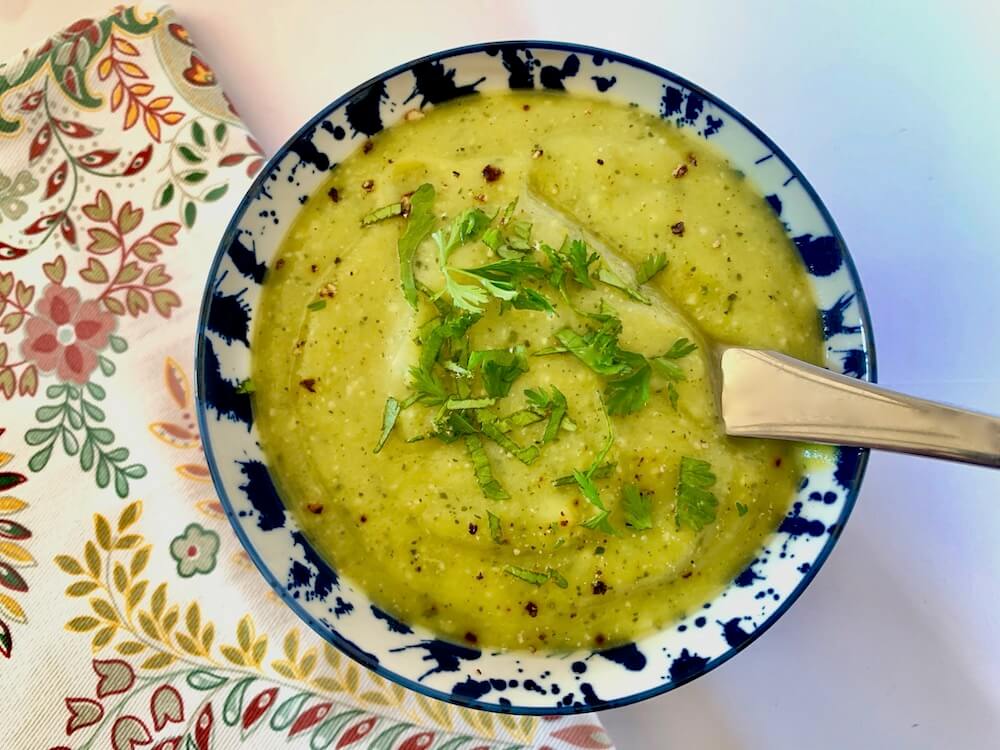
770,395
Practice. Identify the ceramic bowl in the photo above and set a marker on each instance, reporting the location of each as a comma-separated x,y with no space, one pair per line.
514,682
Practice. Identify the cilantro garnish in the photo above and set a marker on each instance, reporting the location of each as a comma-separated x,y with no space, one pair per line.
455,404
650,266
246,387
741,509
499,368
484,474
427,386
496,532
696,505
585,481
316,305
418,226
556,406
666,364
524,574
672,395
382,213
607,276
580,259
469,225
392,409
489,428
601,472
637,507
556,577
600,522
680,348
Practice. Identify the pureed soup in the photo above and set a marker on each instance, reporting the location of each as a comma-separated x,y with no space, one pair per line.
482,372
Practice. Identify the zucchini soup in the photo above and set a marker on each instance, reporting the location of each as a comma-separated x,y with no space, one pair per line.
482,370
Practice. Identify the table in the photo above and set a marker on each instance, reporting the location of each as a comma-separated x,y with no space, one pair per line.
892,115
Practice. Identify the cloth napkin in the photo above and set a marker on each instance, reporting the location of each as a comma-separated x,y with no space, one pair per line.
130,616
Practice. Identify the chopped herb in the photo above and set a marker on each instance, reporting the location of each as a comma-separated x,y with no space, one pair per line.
380,214
489,428
556,577
600,522
524,574
554,404
496,532
606,276
652,265
580,259
389,415
672,395
638,508
506,280
596,349
468,226
601,472
484,474
680,348
499,368
589,489
741,509
493,238
449,329
665,364
418,225
530,299
427,386
457,369
246,386
629,393
696,504
469,403
316,305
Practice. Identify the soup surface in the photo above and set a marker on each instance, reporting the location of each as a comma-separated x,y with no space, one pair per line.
507,474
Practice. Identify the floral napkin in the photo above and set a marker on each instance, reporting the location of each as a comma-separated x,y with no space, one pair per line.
130,617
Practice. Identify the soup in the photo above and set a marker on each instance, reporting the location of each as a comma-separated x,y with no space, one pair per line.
482,370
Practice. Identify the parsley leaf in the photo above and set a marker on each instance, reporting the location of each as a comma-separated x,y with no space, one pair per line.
499,368
600,522
580,259
449,329
601,472
524,574
652,265
666,365
466,227
629,393
680,348
455,404
316,305
638,508
598,349
489,428
556,406
556,577
427,386
382,213
484,474
246,386
418,226
606,276
496,532
392,409
741,509
530,299
589,489
696,505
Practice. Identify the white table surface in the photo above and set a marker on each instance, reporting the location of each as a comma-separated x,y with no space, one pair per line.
892,111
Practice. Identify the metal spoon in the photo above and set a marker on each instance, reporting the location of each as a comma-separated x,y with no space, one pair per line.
770,395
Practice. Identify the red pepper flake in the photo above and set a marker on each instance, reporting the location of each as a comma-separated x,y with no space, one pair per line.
526,107
470,637
368,185
599,639
473,528
777,462
680,170
314,508
532,609
480,197
279,264
309,384
364,518
367,147
334,194
677,228
564,522
599,588
491,173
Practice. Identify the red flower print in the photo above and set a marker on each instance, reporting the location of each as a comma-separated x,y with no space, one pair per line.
66,335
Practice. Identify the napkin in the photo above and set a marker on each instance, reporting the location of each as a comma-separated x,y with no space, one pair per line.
130,616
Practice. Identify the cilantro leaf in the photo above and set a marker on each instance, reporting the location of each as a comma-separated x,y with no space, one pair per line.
638,508
418,226
316,305
741,509
454,404
530,299
601,472
629,393
580,259
525,455
381,214
466,227
452,327
392,409
496,532
696,504
667,368
427,386
597,349
650,266
524,574
484,474
600,522
556,407
499,368
607,276
556,577
246,387
608,442
589,489
680,348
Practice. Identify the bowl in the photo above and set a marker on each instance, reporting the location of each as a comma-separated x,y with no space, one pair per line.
515,682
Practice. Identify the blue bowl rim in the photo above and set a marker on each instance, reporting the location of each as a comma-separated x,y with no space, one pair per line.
349,648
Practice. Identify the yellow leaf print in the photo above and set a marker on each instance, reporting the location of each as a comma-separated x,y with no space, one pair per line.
12,609
16,555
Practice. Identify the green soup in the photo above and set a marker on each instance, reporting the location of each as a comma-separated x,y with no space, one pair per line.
470,520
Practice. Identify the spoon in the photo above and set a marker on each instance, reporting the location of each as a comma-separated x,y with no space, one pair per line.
769,395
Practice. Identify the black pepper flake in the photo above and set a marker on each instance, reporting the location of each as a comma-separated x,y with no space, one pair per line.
473,529
336,261
491,173
677,228
314,508
480,576
777,462
309,384
314,268
364,518
457,174
600,588
480,197
532,609
686,575
334,194
526,107
279,264
601,162
367,147
471,637
680,170
368,185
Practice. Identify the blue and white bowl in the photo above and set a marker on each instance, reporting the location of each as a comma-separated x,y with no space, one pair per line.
515,682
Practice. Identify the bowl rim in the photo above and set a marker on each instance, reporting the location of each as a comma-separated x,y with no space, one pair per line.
329,634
